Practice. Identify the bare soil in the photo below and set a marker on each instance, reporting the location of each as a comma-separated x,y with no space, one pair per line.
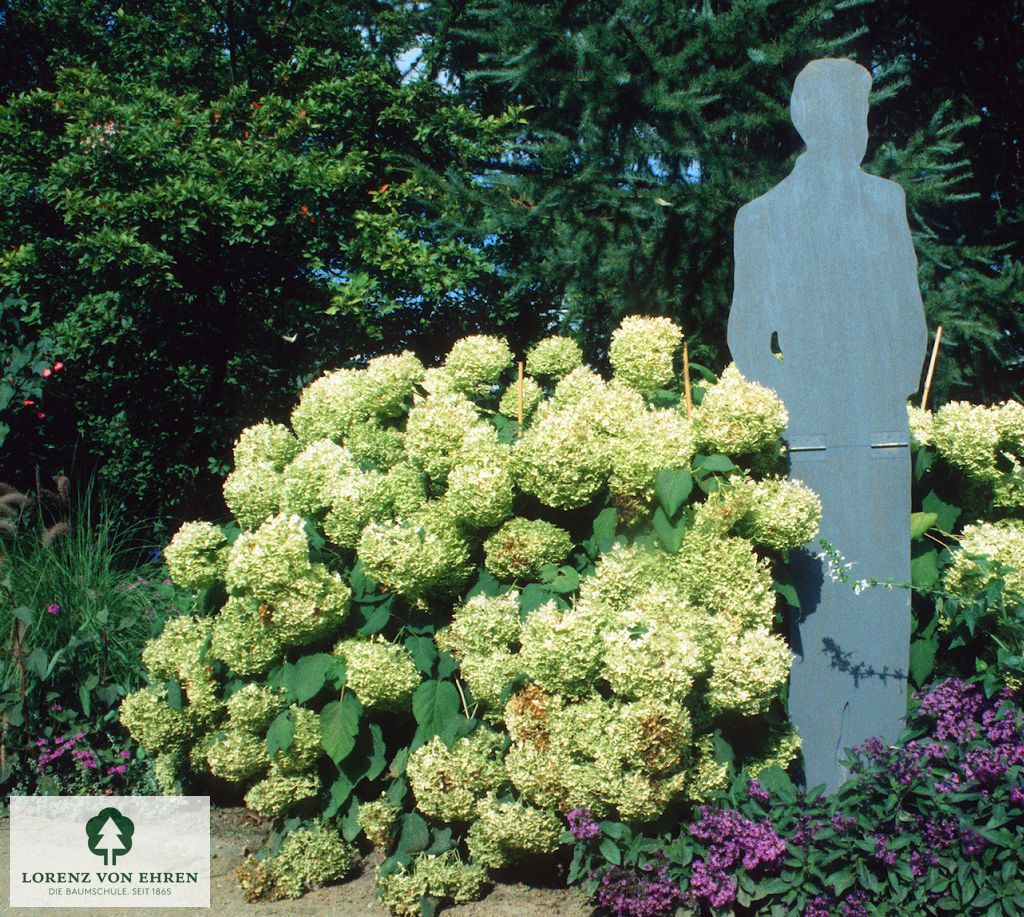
235,832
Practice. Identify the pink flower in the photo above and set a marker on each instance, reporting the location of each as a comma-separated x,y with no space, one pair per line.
125,753
53,609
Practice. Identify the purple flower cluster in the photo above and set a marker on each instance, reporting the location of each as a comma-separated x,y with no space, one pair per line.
84,757
645,894
732,841
757,792
582,825
956,706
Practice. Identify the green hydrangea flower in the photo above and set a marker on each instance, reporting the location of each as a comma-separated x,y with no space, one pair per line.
482,624
266,563
328,406
278,793
241,640
533,395
436,429
643,350
197,555
252,708
480,491
382,675
405,490
1003,543
313,609
375,445
266,444
308,483
378,820
580,387
252,493
507,831
414,557
748,672
305,749
237,756
652,441
356,499
388,383
562,459
780,750
153,723
449,782
443,876
178,649
783,514
310,858
737,417
521,547
922,425
488,675
167,773
476,362
553,357
967,436
561,650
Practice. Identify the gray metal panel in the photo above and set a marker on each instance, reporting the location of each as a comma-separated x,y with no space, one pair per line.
825,262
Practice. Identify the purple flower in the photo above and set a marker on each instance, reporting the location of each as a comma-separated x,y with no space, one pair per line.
53,609
628,894
120,769
1017,796
855,904
817,907
582,825
956,707
57,708
712,885
757,792
842,823
971,842
125,753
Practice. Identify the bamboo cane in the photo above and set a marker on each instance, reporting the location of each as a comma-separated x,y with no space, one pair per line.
931,369
686,379
519,405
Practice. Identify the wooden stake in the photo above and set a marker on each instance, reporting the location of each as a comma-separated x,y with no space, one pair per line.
931,369
686,379
522,369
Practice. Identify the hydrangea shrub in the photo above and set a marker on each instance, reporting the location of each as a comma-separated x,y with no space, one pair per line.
438,631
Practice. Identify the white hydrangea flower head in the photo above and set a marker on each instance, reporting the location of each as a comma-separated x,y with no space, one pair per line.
967,436
643,351
378,819
253,707
922,425
375,445
521,547
707,775
507,831
442,876
1003,543
737,417
328,406
388,383
449,782
178,649
488,676
314,608
554,357
241,640
382,675
784,514
748,672
310,858
477,362
581,386
197,555
533,395
154,723
480,490
561,650
654,440
482,624
266,444
277,793
780,750
414,557
404,490
237,756
308,482
355,499
266,563
166,772
561,459
252,493
436,429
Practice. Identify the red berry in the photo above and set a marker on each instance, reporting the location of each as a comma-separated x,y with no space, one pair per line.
58,366
40,415
28,402
47,372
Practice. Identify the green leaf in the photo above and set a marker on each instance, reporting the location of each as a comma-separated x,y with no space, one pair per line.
922,659
841,881
947,513
670,536
281,733
672,487
424,653
306,678
378,760
610,851
414,835
531,598
788,592
921,522
435,705
375,617
341,790
716,463
604,529
924,566
339,726
175,699
24,614
565,580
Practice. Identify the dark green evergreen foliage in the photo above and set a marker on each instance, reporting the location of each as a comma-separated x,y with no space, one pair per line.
650,123
206,210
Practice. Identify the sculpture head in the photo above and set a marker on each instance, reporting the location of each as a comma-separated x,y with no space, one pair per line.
829,108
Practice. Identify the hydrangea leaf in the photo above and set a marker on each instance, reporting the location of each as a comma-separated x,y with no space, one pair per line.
435,705
921,522
414,836
947,513
924,567
672,486
281,733
339,726
670,536
305,678
604,528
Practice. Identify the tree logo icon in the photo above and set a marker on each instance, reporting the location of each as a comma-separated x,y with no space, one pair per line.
110,835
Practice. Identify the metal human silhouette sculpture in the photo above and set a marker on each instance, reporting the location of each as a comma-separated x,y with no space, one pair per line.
826,310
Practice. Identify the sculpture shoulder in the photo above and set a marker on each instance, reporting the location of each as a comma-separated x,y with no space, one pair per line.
766,207
889,191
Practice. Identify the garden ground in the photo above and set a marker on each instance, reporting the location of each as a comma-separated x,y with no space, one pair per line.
235,832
